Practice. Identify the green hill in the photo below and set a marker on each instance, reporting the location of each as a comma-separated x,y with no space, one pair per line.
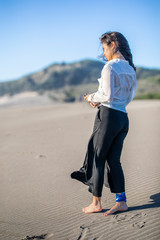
67,82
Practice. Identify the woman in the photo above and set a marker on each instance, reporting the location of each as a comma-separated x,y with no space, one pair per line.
117,87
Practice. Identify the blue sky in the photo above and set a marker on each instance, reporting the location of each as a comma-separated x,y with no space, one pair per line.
37,33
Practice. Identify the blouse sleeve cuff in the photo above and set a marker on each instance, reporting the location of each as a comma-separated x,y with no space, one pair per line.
90,98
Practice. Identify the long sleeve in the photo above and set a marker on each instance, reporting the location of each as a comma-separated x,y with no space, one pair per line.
132,91
106,87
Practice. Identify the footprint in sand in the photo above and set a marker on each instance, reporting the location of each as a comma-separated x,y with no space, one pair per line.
119,218
40,156
138,224
83,232
136,219
39,237
137,215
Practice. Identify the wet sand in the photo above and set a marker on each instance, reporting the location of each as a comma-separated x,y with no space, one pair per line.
41,145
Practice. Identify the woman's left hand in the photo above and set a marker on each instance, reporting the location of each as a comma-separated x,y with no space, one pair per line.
93,105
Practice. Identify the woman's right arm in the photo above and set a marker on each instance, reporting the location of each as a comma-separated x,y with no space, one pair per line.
105,91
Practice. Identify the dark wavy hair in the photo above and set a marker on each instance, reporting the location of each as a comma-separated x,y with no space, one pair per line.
121,45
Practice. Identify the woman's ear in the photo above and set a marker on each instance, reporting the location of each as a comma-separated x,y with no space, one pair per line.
113,45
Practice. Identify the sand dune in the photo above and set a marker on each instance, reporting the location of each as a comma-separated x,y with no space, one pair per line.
41,145
23,99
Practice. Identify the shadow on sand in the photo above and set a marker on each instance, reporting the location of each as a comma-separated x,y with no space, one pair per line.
154,203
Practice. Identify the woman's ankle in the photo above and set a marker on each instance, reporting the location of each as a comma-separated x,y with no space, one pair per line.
121,197
96,200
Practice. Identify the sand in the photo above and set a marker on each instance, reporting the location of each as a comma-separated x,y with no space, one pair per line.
24,98
41,145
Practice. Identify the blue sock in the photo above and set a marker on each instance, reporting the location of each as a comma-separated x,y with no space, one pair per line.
121,197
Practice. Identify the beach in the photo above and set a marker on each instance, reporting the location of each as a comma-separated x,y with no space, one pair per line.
42,144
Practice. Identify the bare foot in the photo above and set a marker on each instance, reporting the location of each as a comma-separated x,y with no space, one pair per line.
92,208
119,206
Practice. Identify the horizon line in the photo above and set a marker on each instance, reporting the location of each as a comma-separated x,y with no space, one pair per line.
68,62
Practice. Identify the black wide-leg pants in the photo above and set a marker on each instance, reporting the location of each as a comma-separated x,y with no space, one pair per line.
102,161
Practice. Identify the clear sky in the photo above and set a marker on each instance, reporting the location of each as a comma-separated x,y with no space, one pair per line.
37,33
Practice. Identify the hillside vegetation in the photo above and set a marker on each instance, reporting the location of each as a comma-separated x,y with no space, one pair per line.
68,82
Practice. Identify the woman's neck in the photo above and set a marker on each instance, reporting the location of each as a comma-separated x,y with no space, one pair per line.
119,56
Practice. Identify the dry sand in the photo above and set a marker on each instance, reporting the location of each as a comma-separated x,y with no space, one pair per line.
24,98
41,145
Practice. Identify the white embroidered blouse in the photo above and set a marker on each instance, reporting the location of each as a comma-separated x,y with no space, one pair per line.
117,85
